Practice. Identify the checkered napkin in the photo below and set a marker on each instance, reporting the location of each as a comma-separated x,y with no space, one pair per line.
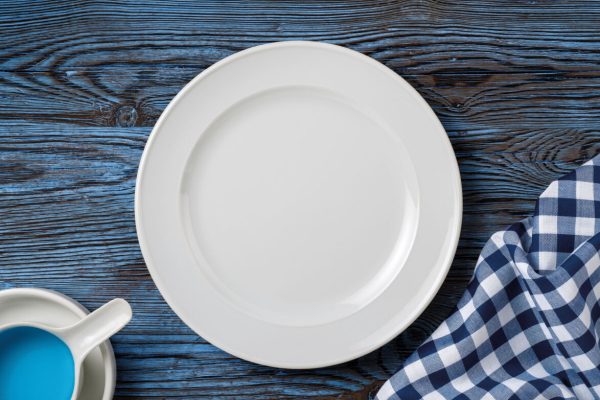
528,325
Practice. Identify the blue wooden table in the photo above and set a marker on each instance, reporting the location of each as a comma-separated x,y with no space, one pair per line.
516,85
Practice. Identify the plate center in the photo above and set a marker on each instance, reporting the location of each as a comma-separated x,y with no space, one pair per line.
298,206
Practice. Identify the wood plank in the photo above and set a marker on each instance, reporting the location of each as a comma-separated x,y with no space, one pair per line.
461,98
109,64
66,195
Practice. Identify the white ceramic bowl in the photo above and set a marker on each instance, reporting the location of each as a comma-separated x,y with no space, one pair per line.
54,309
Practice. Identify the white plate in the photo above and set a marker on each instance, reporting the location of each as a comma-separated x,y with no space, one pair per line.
298,204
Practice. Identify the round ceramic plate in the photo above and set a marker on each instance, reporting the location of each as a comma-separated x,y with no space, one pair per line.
298,204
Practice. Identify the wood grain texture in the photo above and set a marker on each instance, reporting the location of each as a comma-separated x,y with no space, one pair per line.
516,84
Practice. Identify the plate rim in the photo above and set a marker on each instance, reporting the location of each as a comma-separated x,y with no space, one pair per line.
447,258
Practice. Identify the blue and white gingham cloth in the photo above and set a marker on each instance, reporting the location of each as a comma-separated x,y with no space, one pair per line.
528,325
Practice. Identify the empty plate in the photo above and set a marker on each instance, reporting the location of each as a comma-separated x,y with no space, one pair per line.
298,204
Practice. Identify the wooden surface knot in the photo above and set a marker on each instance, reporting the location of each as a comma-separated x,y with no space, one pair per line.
126,116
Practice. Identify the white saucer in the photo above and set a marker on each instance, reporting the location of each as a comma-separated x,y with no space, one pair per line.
298,204
55,309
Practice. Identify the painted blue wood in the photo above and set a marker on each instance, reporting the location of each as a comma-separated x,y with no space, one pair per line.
81,83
